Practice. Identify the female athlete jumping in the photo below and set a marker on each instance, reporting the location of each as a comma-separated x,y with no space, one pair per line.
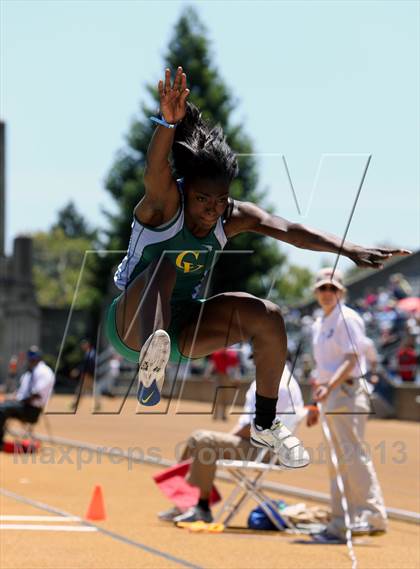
180,225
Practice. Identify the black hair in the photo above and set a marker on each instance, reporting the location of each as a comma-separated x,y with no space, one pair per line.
201,151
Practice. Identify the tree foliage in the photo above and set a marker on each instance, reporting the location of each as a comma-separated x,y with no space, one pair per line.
293,284
73,223
62,271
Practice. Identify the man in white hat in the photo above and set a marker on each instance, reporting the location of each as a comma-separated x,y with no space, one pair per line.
340,345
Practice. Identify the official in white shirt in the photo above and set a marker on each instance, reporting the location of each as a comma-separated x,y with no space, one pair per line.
340,347
35,388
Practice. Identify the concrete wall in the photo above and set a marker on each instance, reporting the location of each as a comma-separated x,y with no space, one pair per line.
407,402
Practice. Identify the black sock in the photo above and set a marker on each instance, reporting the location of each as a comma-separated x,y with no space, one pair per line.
265,411
203,503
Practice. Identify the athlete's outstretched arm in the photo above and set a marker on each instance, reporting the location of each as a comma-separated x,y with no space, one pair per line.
158,180
247,216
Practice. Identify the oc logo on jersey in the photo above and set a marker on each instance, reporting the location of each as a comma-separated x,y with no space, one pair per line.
187,261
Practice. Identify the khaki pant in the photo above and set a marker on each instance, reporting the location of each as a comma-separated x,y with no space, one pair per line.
205,448
345,413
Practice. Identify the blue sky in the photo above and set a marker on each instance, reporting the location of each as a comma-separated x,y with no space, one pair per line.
323,83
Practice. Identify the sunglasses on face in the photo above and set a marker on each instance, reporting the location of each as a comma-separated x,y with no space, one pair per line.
326,287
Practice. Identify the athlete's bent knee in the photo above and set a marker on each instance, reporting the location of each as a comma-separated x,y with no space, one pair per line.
274,316
273,310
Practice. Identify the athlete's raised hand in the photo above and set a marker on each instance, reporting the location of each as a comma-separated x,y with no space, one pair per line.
172,99
374,257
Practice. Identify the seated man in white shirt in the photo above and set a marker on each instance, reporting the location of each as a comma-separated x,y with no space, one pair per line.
35,388
206,447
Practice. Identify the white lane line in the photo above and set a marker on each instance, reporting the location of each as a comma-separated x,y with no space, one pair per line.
13,518
37,527
103,531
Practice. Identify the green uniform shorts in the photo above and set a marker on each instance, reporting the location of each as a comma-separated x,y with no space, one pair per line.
181,311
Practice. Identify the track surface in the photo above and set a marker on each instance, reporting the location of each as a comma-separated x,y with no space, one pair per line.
61,481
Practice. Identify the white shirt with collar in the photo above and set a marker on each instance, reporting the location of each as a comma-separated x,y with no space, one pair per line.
289,408
42,384
334,336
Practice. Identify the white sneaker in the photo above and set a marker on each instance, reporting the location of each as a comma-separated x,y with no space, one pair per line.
153,359
280,440
367,529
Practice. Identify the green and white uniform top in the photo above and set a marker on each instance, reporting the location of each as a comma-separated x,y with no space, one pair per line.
192,256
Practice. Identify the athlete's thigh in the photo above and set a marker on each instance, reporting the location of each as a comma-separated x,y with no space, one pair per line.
159,272
220,321
127,313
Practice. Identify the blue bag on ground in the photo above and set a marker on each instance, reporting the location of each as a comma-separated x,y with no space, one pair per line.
258,519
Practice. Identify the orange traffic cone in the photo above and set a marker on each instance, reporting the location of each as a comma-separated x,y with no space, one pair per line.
96,509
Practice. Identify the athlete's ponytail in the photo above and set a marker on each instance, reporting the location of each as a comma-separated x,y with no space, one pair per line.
200,151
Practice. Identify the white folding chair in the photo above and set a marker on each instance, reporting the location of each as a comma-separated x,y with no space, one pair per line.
248,478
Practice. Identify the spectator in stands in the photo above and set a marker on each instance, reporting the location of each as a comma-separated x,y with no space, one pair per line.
224,367
407,359
399,286
370,298
35,388
413,325
206,447
392,322
399,319
383,297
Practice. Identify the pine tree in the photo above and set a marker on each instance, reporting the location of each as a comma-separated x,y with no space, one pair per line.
73,223
190,48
